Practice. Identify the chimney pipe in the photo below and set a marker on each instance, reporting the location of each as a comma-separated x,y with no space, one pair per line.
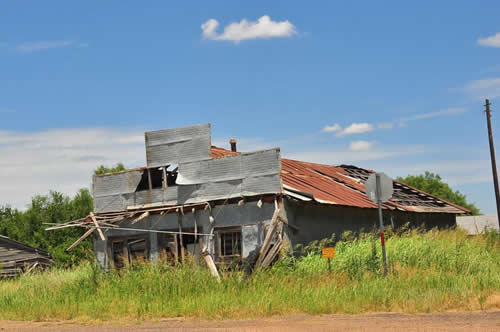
232,141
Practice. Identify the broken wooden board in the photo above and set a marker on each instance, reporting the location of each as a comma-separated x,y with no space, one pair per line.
101,234
211,265
83,237
142,216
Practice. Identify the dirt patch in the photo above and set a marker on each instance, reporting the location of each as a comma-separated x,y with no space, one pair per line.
453,321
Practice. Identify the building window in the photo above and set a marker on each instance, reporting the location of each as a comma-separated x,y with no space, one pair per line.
229,243
129,250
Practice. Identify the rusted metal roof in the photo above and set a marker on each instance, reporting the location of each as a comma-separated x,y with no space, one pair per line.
344,185
217,152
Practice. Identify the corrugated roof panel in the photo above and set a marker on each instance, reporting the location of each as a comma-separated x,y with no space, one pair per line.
344,185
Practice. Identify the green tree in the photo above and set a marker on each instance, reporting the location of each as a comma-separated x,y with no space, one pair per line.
29,226
433,184
103,169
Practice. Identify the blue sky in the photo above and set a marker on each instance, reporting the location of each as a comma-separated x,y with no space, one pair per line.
397,87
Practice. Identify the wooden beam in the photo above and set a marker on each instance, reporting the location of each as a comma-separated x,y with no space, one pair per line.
211,265
101,234
271,254
142,216
83,237
179,221
150,185
63,226
269,237
164,177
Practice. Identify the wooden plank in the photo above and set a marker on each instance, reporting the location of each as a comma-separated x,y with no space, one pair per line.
211,265
271,255
164,177
83,237
195,229
142,216
63,226
150,185
94,220
268,239
179,221
32,267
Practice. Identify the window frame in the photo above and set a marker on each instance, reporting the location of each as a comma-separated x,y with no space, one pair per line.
236,241
127,253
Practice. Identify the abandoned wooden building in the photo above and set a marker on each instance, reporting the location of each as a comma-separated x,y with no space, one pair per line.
17,258
197,199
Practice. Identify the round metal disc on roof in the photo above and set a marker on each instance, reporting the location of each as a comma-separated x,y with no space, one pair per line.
385,187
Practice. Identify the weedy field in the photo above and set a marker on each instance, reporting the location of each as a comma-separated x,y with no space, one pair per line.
428,272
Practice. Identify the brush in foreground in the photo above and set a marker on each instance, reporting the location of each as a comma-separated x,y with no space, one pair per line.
434,271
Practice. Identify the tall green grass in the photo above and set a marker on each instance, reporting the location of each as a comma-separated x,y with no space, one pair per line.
433,271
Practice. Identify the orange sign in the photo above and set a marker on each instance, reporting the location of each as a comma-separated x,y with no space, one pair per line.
328,252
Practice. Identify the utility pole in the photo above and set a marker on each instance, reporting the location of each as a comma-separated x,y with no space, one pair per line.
493,160
382,235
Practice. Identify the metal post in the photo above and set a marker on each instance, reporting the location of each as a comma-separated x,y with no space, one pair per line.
493,161
382,238
329,266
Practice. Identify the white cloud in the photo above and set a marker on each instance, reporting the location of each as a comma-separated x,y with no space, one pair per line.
491,41
361,145
424,116
331,129
209,29
61,159
30,47
356,128
263,28
340,156
385,125
485,88
444,112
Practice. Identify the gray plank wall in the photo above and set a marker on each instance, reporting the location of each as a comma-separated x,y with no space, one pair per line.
114,192
249,174
173,146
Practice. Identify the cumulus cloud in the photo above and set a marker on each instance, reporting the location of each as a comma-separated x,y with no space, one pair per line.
331,129
491,41
263,28
356,128
37,46
364,127
361,145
